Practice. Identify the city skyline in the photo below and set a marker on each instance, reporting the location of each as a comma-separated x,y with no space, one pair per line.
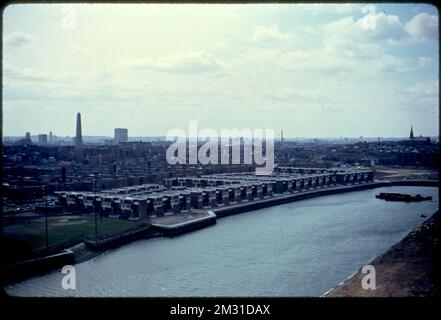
310,70
125,137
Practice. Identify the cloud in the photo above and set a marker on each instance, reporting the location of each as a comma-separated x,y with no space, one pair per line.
335,56
421,95
425,61
369,27
270,35
359,44
428,89
186,62
423,27
383,27
26,74
19,38
82,51
289,94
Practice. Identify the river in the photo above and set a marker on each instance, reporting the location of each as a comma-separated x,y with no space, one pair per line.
301,248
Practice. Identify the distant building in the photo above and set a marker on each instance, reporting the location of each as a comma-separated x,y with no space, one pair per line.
416,158
78,136
51,138
121,135
28,139
420,140
42,139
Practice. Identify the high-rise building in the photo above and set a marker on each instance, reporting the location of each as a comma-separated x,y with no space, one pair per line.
78,136
51,138
28,139
121,135
42,139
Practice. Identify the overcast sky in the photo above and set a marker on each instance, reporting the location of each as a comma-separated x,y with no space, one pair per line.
311,70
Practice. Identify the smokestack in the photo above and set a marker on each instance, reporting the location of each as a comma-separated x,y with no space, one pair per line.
78,137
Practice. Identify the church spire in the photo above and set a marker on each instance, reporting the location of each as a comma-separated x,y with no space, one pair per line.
411,132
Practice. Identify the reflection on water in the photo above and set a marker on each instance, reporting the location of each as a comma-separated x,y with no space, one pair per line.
298,249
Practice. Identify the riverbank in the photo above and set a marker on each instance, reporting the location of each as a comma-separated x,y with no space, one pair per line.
182,223
410,268
174,225
293,250
292,197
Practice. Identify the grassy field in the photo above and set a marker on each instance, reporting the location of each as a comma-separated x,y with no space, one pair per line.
26,238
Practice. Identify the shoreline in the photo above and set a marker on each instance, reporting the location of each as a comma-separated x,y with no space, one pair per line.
84,251
407,269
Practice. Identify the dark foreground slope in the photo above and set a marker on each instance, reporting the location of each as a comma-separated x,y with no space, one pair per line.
409,268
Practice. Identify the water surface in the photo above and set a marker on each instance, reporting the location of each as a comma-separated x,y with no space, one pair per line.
301,248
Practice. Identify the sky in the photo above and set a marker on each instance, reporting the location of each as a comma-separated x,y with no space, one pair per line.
311,70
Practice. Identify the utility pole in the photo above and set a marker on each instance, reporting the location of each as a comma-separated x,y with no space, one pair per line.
96,222
45,213
101,200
